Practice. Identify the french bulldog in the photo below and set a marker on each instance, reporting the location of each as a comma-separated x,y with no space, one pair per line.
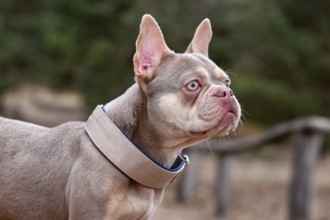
103,168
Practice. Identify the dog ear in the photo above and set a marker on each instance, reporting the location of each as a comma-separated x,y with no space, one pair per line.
201,39
150,48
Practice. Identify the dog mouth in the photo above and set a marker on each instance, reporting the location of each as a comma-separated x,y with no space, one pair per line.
224,126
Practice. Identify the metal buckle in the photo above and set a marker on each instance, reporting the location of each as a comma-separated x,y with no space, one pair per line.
185,158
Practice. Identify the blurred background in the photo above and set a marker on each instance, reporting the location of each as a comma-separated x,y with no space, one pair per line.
60,58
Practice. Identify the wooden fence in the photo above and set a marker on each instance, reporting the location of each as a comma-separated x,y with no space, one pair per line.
307,136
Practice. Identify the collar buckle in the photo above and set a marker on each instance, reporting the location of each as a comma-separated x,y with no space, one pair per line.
185,158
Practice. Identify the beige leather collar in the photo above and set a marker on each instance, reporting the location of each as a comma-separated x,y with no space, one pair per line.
126,156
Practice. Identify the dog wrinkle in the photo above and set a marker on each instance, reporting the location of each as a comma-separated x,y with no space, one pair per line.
219,74
203,73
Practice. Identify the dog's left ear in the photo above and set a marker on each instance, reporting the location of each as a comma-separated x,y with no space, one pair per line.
150,49
202,38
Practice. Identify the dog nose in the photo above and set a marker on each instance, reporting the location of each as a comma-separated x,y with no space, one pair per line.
223,92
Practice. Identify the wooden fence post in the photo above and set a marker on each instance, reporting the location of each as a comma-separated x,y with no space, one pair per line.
306,148
222,189
189,178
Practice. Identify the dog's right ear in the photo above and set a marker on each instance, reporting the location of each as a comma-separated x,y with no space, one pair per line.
150,49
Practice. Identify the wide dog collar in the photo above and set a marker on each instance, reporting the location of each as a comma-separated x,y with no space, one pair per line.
126,156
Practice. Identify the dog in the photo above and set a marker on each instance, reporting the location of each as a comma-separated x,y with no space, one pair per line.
117,164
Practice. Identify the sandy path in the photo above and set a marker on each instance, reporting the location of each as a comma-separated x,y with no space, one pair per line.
259,189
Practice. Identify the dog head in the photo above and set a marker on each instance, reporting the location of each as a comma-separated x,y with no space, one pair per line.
188,96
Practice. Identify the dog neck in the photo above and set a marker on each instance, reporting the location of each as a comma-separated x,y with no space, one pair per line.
129,113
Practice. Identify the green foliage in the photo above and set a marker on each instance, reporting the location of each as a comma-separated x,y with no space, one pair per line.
68,45
281,61
278,51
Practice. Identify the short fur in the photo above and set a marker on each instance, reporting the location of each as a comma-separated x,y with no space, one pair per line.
58,173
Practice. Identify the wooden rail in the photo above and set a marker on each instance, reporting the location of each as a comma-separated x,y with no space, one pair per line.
307,136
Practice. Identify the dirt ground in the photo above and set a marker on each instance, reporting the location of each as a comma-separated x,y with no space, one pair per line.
259,190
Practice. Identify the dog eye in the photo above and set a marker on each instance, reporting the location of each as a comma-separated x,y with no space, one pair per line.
193,85
227,82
